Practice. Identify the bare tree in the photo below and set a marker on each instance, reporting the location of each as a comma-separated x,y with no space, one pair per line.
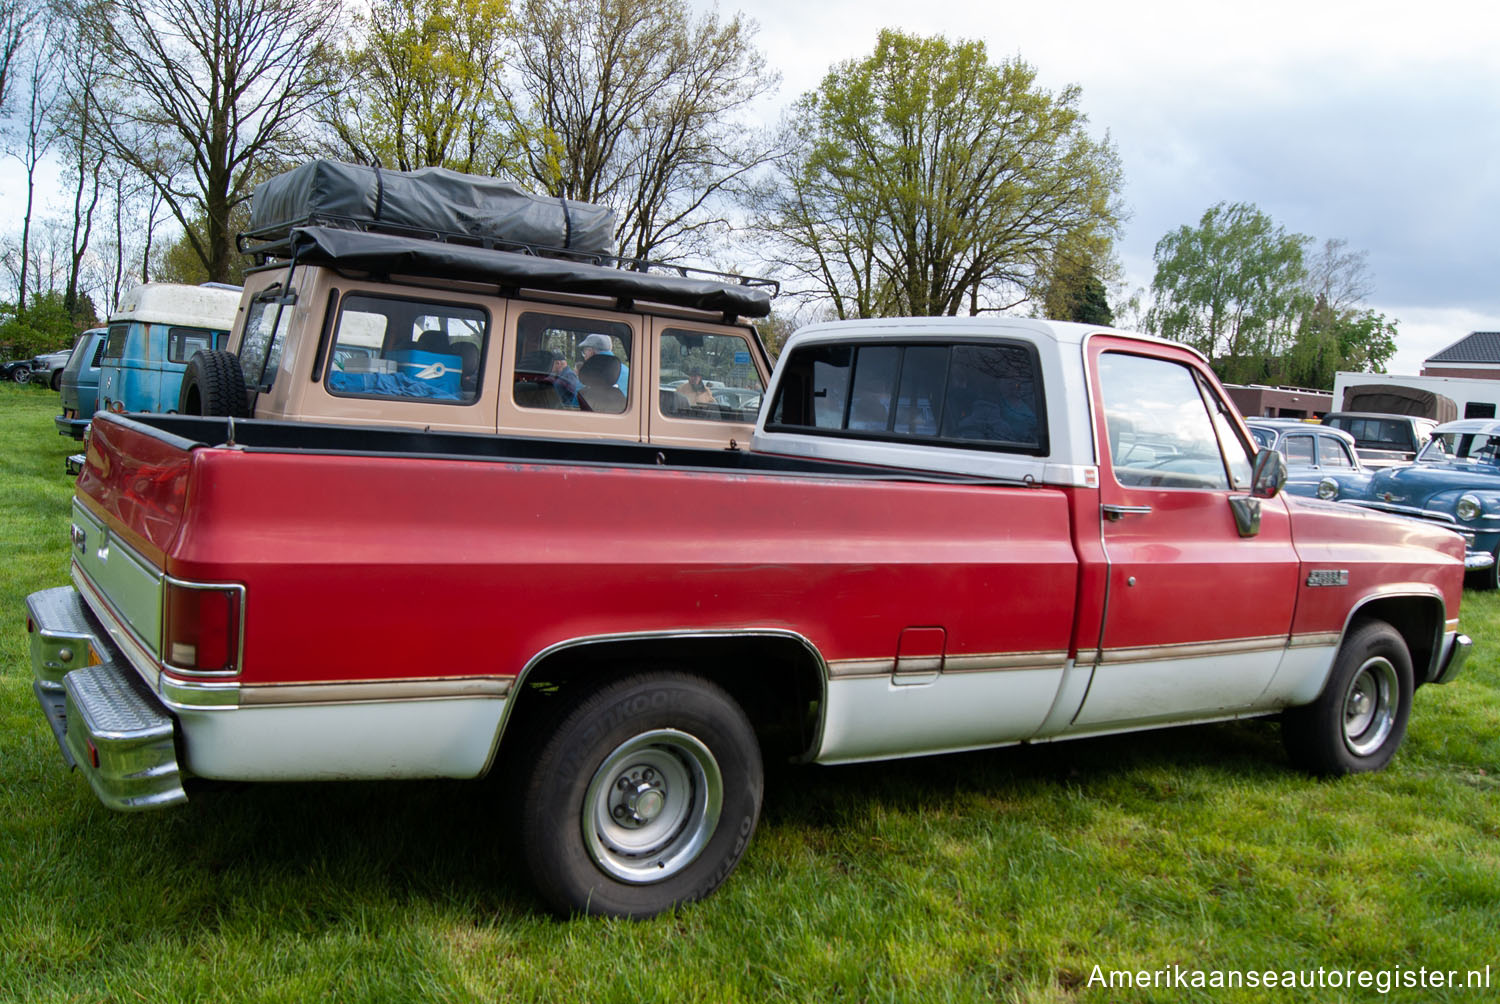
1339,278
16,19
36,135
78,131
203,94
637,105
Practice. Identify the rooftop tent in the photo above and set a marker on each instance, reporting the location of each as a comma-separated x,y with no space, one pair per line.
1393,399
431,200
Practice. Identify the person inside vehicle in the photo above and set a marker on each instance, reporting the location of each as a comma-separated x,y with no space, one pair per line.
600,344
694,391
564,380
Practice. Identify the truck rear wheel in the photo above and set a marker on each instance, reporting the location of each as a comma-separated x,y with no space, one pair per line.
644,797
213,384
1359,720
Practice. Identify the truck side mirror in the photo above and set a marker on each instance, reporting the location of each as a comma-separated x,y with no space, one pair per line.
1268,475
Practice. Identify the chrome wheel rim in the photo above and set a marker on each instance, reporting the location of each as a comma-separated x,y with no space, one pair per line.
1370,706
652,806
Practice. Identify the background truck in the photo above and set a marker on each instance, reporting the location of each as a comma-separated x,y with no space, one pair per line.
950,534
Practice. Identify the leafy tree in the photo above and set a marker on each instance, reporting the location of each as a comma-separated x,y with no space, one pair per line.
638,105
422,87
925,179
43,325
1233,287
199,94
1073,291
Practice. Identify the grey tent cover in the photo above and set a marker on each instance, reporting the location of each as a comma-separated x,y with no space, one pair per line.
431,199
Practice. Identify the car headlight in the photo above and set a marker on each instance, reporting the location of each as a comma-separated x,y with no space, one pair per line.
1328,489
1468,507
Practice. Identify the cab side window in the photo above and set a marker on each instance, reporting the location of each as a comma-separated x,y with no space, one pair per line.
1167,428
985,396
1332,453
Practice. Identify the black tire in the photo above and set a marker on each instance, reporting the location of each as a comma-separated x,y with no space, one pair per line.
1359,720
21,374
56,380
213,384
618,816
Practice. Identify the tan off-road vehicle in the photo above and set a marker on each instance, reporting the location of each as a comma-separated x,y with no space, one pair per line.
443,301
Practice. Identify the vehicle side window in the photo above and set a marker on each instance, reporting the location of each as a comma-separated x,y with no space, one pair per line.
983,396
260,347
395,347
99,351
182,343
1333,453
114,345
1298,450
1166,428
574,363
708,376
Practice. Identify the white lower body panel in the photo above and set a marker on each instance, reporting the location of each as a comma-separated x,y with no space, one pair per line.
356,741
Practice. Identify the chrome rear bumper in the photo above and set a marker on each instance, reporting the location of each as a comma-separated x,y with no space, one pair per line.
107,722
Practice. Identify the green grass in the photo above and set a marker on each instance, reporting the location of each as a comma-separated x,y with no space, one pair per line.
1004,875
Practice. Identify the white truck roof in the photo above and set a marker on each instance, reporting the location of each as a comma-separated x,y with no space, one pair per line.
206,306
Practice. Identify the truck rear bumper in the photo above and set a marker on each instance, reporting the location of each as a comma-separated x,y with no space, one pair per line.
107,722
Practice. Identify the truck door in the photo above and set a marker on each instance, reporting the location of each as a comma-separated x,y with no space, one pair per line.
1200,596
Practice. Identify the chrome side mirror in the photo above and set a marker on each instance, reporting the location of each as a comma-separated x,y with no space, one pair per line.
1268,475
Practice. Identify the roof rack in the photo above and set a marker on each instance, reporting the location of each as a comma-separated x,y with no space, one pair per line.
275,242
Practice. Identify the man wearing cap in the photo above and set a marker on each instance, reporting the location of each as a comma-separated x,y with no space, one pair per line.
601,344
693,390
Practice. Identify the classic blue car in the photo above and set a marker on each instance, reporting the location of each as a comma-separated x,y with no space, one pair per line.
1312,452
1454,481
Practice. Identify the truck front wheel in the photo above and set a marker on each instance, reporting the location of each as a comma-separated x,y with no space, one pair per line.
1359,720
644,797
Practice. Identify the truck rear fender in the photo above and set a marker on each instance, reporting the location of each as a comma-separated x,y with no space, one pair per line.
136,476
778,677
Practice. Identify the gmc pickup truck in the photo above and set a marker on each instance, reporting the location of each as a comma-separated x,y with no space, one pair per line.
949,534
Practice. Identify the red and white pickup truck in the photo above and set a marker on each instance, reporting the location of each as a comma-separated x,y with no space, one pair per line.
949,534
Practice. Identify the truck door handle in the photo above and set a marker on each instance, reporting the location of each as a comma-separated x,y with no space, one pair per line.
1117,512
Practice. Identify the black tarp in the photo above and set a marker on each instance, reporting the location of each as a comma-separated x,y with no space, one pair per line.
386,254
1394,399
431,199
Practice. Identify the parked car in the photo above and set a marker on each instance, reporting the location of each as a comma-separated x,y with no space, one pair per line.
1383,440
1312,452
80,383
1455,482
47,368
156,329
42,369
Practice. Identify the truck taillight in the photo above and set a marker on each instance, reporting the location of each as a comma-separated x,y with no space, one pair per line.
201,629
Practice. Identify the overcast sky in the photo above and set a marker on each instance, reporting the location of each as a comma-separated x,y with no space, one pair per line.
1375,122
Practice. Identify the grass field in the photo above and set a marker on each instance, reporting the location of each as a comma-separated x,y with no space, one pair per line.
1006,875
